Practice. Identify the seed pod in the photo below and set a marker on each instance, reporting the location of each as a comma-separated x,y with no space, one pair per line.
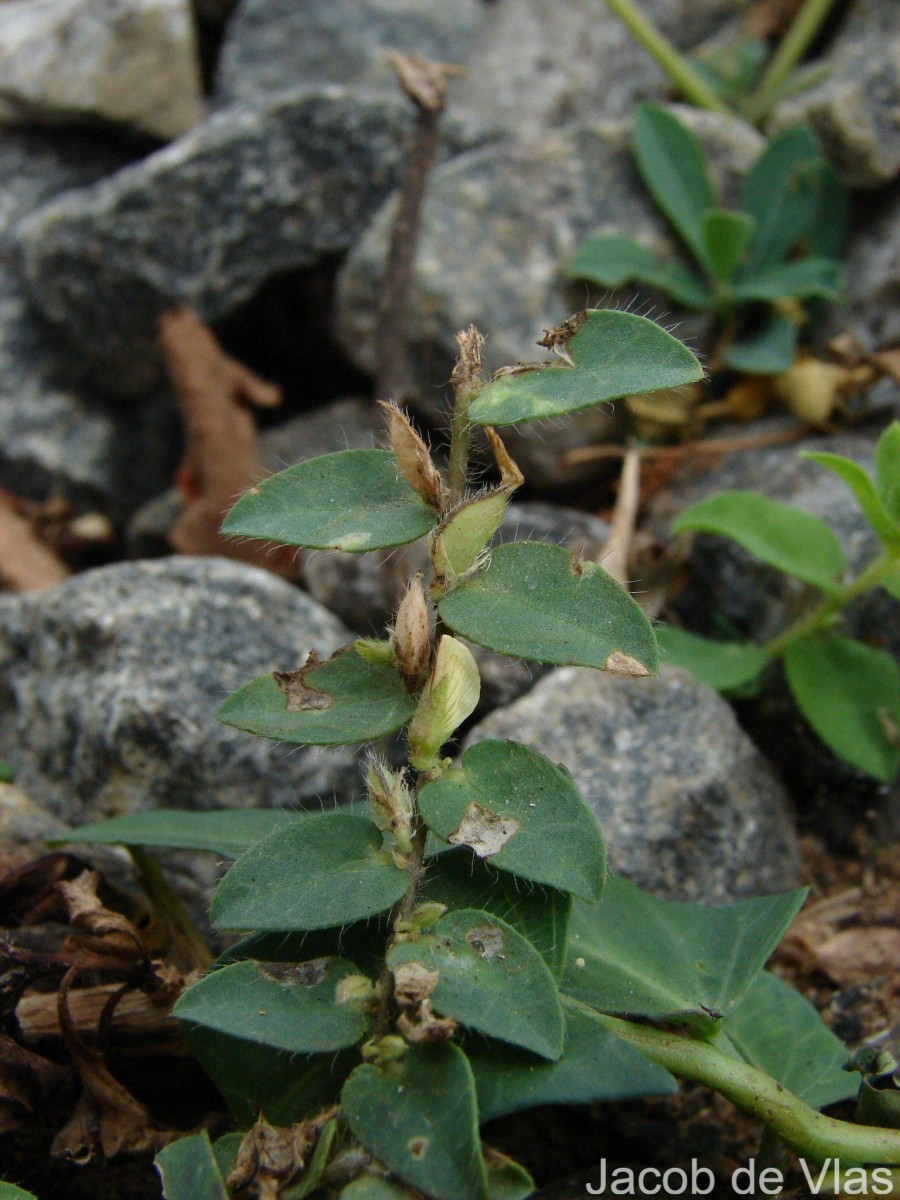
413,457
411,636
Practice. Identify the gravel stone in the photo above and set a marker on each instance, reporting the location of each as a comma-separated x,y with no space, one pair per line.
690,809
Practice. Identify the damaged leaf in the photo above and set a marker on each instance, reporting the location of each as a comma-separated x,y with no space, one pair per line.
287,1006
489,978
419,1117
529,602
612,354
521,811
365,701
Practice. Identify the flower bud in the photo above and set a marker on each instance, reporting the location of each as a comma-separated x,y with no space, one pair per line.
461,537
450,696
391,801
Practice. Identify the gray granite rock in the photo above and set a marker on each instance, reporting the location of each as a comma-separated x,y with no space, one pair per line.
58,436
540,64
854,109
132,62
499,226
275,44
689,807
109,686
872,310
249,193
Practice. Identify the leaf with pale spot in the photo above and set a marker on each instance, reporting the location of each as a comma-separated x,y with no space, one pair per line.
354,500
522,812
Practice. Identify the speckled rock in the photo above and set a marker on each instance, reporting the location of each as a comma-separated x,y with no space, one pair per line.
758,602
540,64
109,686
872,310
499,227
275,44
58,436
132,62
854,109
249,193
690,809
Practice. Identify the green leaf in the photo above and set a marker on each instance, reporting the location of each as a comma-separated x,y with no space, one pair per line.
313,1172
489,978
827,236
891,582
507,1180
345,699
767,350
793,541
613,261
639,956
673,166
419,1117
373,1187
781,192
887,470
328,869
807,277
778,1031
535,601
850,694
189,1170
9,1191
540,914
726,236
228,832
305,1007
615,354
721,665
253,1078
226,1150
354,500
860,483
7,775
523,813
595,1065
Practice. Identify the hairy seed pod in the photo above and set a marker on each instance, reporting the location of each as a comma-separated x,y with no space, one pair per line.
411,636
413,457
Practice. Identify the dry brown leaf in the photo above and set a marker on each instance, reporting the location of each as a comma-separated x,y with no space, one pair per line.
855,955
26,563
216,394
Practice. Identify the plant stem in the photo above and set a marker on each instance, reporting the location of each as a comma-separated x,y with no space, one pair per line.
793,46
833,604
468,380
676,66
185,934
807,1131
425,83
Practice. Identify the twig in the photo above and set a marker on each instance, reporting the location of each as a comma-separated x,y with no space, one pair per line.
425,83
138,1016
686,449
615,554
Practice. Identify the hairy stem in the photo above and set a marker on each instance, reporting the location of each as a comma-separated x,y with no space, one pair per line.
793,46
808,1132
823,613
467,380
425,83
676,66
185,934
